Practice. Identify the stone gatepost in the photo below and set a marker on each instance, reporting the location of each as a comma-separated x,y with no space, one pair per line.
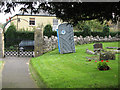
1,43
38,46
118,23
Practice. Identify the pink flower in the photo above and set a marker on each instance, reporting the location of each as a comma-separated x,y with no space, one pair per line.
95,61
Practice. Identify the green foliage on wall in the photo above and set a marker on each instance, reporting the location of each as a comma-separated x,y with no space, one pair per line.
47,30
13,37
95,25
106,30
86,30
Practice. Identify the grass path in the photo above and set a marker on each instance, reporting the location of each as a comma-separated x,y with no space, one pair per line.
72,71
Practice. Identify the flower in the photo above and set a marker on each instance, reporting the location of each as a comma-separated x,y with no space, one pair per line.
102,60
107,61
95,61
89,60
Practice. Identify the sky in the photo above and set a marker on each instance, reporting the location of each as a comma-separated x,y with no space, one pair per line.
4,16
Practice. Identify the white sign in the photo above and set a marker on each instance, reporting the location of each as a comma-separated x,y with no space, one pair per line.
63,32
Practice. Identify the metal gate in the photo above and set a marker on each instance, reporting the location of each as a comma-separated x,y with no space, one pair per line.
19,48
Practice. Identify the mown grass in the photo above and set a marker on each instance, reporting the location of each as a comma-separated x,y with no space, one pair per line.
73,71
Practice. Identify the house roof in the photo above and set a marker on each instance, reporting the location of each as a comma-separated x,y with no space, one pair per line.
42,13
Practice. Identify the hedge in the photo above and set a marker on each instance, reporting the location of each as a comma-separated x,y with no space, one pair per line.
100,34
28,35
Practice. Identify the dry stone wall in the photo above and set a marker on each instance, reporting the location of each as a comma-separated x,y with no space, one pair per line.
1,43
51,43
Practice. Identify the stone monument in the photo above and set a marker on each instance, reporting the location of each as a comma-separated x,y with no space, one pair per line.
65,38
98,47
107,56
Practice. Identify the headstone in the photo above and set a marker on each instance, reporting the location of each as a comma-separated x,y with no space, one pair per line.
107,56
38,46
118,49
65,38
90,52
98,47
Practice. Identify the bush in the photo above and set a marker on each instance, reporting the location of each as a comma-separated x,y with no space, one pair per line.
13,37
106,31
102,66
54,33
47,30
86,31
94,34
78,34
10,33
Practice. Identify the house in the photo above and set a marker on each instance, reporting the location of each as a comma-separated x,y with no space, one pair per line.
29,22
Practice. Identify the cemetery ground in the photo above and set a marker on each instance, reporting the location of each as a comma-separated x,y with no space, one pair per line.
54,70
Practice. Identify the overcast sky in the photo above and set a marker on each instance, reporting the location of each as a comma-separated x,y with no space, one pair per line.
4,16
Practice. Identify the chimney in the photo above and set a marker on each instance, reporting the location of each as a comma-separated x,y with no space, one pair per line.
6,20
9,18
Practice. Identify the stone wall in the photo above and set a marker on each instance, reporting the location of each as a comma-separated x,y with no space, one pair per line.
51,43
1,43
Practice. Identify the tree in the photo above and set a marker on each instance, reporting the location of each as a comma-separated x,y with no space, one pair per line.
73,12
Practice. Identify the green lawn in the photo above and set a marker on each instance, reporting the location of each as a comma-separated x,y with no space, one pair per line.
72,71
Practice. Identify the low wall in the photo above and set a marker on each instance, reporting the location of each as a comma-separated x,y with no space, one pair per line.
1,43
51,43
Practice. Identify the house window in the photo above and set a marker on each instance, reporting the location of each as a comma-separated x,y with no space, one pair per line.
55,24
32,21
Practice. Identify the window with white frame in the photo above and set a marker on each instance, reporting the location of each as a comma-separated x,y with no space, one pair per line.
55,24
32,21
55,21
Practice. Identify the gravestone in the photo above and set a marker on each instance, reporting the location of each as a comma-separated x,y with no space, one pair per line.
98,47
38,46
107,56
118,48
90,52
65,38
1,43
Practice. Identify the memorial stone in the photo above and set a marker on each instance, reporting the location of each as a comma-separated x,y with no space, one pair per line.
65,38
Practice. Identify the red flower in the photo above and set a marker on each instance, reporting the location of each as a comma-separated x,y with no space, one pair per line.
89,60
107,61
102,60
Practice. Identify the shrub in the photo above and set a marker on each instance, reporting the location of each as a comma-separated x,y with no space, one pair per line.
54,33
106,31
86,31
102,66
78,34
13,37
10,35
94,34
47,30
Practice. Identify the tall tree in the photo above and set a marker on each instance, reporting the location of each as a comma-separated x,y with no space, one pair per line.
73,12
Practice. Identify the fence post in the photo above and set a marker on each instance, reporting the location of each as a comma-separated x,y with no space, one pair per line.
1,43
38,45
